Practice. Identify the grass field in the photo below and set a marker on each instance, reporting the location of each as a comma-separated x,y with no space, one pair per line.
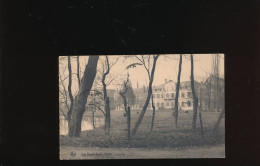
163,134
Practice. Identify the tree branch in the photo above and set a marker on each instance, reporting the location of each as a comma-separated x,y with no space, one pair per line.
98,108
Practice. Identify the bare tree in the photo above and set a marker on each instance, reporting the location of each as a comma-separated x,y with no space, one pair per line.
152,123
123,93
126,108
63,94
106,99
146,62
215,71
82,96
177,92
106,69
151,78
195,99
69,90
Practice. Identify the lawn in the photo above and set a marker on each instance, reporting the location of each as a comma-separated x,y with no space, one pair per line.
163,134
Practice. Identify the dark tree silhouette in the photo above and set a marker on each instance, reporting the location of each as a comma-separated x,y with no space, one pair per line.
176,109
106,69
69,90
138,122
126,107
82,96
195,99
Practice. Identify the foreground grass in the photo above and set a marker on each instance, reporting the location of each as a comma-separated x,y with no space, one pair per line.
163,134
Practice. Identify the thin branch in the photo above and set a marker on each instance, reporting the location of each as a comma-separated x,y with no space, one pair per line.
98,108
66,98
112,64
64,114
143,62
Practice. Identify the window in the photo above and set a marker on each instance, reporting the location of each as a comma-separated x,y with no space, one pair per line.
167,104
167,95
158,105
182,95
172,95
161,95
158,95
183,104
162,105
188,103
189,94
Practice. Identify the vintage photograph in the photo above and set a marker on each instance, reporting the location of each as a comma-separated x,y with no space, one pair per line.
157,106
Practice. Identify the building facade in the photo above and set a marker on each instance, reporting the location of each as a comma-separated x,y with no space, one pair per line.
164,96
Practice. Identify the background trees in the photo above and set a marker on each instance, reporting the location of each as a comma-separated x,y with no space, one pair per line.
106,80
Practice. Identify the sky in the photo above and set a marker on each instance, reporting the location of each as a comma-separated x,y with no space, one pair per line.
166,68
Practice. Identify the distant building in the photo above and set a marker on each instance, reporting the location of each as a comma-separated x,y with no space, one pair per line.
164,96
185,95
210,95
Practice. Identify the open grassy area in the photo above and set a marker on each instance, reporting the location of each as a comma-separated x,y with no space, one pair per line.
163,134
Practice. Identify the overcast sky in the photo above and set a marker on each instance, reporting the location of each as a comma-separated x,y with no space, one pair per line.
166,68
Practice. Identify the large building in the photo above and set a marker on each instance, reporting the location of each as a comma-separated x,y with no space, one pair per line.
210,95
164,96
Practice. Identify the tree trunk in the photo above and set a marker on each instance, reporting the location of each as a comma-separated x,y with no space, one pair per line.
107,106
122,94
137,124
78,74
69,90
84,90
107,109
129,125
200,107
216,128
176,109
217,73
195,99
153,114
127,111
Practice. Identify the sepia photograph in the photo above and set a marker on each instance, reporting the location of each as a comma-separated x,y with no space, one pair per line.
157,106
